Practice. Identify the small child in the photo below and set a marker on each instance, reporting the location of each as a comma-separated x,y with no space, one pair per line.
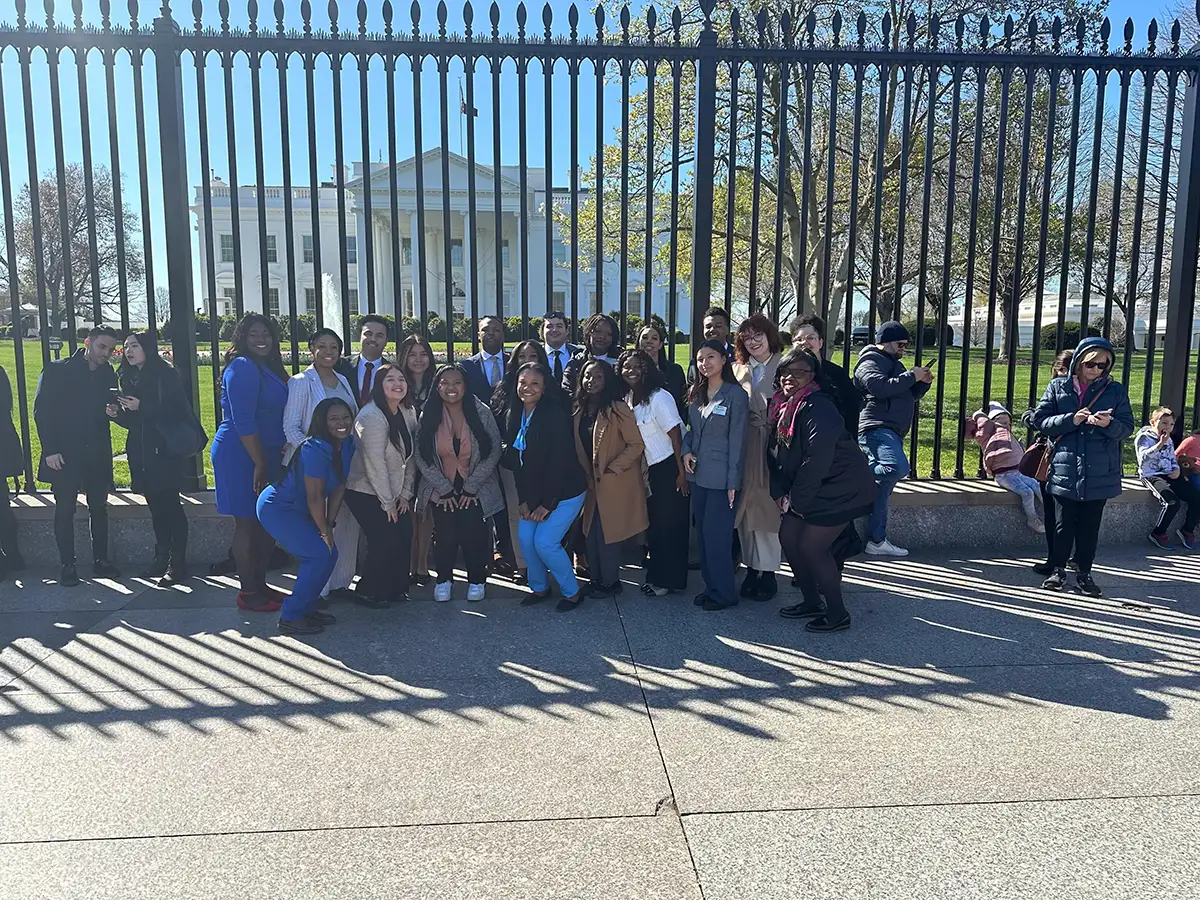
1002,453
1161,472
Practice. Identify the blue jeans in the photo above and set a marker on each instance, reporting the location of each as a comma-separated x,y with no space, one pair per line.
885,453
297,534
714,521
541,544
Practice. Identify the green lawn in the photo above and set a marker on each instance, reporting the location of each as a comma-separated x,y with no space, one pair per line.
950,385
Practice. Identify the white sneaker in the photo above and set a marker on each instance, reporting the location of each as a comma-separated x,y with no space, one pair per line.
1037,525
475,592
441,593
885,548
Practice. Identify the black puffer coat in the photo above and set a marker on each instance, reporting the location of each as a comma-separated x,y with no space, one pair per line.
159,389
1086,459
12,458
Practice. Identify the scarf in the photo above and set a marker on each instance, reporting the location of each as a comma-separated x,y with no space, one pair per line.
783,411
454,463
519,440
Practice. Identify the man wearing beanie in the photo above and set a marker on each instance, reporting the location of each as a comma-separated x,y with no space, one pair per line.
890,395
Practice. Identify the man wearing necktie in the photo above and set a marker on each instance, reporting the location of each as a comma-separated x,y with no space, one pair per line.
558,351
360,369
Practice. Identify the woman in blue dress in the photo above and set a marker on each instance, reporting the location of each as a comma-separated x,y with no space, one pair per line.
247,451
300,510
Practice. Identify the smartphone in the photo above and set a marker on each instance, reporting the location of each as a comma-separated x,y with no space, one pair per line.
113,394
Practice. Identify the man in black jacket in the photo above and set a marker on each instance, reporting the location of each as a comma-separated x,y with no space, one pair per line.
808,331
70,411
360,369
891,395
12,464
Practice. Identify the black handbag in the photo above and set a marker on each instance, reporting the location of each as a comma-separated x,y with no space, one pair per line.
848,544
183,436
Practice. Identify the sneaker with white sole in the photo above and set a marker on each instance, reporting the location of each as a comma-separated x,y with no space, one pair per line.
475,592
441,593
1037,526
885,548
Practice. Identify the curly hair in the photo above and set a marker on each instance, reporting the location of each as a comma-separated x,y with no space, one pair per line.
613,390
240,345
760,324
652,376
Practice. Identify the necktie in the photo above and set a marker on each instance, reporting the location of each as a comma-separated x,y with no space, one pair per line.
365,394
493,370
558,368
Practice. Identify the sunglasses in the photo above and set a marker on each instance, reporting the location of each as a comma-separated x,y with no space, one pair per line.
794,373
903,345
1092,364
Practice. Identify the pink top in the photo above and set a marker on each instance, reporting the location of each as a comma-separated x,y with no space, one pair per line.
1001,451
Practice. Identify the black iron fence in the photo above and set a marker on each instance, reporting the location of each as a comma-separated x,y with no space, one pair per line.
1002,186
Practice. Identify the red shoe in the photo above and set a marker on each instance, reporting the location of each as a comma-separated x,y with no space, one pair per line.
268,605
276,596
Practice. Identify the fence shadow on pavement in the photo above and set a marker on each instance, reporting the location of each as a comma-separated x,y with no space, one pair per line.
951,634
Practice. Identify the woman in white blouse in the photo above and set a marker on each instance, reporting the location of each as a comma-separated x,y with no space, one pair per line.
667,506
379,490
305,390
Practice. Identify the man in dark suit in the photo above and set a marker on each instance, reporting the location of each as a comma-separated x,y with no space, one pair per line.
360,369
558,350
74,396
486,368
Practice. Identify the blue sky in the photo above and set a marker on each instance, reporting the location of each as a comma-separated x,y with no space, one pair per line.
298,130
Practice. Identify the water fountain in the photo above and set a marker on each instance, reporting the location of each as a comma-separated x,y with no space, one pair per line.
331,304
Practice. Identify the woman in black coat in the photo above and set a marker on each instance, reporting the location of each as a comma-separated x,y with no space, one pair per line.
653,339
151,392
821,480
12,464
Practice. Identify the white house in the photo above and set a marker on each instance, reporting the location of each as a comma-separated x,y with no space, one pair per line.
397,291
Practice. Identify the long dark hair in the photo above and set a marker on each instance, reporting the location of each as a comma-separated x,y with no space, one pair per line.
658,325
652,376
240,345
614,387
426,385
512,414
431,418
698,392
319,428
505,393
592,323
397,427
128,375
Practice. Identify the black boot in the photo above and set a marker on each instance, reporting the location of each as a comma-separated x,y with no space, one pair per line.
750,585
157,568
768,587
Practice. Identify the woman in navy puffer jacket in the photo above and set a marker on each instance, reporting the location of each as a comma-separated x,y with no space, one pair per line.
1087,415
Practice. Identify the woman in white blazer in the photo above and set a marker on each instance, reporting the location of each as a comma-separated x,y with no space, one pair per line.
305,390
379,490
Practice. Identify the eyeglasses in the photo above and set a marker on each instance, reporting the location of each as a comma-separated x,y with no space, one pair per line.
1092,364
903,345
794,373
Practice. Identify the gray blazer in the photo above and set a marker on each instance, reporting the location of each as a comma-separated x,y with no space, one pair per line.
481,481
718,440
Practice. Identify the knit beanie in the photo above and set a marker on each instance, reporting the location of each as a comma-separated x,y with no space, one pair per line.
997,409
891,331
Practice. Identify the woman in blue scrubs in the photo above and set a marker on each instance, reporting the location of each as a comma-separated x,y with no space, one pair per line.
247,450
299,511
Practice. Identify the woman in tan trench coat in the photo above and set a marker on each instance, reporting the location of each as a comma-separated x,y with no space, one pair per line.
610,449
757,349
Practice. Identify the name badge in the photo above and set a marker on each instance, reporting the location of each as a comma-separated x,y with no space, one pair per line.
720,410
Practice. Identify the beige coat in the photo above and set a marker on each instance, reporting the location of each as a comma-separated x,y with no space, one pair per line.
378,467
756,510
618,485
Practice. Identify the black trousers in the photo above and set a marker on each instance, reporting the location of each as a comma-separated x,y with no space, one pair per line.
465,528
667,536
1078,528
170,526
1172,493
808,549
1049,518
604,559
386,568
94,482
8,523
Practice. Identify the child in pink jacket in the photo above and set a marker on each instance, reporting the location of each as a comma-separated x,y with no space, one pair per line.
1002,453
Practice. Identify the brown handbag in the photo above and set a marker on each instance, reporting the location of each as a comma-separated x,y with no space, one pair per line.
1035,462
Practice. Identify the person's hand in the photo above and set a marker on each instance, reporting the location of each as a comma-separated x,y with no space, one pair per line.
55,461
689,463
1101,419
784,503
260,479
923,374
466,500
112,409
327,537
1174,473
129,403
732,496
392,515
681,484
1082,416
401,507
446,504
523,511
539,514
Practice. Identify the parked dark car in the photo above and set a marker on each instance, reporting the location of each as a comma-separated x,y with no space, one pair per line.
860,336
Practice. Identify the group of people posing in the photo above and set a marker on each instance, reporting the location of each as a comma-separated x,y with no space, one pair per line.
514,462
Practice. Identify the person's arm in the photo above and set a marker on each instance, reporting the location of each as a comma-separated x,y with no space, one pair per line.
334,504
486,467
627,427
371,433
921,388
47,417
820,434
242,383
432,472
295,429
314,492
1121,424
878,384
739,414
410,465
1047,420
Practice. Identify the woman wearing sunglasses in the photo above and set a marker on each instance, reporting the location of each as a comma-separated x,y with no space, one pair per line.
1087,415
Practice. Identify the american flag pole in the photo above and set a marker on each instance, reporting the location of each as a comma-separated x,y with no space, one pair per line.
462,112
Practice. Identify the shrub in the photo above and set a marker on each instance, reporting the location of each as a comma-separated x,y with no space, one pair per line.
1071,334
464,328
408,325
437,327
930,336
228,324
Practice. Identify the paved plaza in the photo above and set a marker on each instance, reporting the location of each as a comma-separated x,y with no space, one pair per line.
971,736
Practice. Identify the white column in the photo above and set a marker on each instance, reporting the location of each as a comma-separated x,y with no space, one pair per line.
415,235
467,239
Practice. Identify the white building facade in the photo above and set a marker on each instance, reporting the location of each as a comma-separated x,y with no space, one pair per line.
397,291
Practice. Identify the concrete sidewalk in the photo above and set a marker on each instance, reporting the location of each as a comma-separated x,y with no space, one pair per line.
970,736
